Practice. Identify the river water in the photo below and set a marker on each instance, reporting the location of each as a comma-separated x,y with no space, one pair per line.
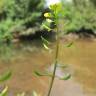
25,58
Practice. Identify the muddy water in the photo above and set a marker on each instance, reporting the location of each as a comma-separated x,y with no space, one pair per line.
24,59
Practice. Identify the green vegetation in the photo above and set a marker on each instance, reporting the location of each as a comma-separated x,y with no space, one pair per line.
19,15
79,14
5,76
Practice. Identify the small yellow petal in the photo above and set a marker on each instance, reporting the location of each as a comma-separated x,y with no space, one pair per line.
47,15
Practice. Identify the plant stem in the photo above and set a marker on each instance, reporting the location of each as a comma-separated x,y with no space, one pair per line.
56,61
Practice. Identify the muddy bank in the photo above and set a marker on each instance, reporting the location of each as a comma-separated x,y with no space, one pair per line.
30,35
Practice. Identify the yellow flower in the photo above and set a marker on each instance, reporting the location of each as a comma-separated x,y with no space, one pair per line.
47,15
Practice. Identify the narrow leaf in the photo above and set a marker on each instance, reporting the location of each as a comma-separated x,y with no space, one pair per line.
68,76
45,43
4,92
38,73
45,40
5,76
69,45
48,28
46,47
42,74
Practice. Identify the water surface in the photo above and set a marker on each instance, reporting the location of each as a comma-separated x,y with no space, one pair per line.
24,59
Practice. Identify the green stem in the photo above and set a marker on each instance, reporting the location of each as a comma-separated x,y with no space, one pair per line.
56,62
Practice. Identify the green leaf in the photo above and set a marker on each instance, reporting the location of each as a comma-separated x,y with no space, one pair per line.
45,40
45,43
68,76
37,73
70,44
46,47
46,27
5,76
4,92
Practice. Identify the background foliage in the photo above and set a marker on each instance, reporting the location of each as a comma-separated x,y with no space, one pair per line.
18,15
79,14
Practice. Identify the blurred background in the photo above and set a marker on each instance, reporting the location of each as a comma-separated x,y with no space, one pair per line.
22,51
21,17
